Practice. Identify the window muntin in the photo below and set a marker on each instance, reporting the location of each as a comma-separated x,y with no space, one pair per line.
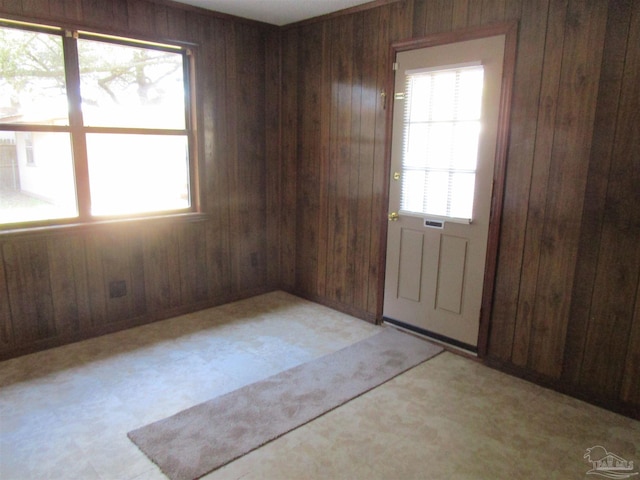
442,122
127,148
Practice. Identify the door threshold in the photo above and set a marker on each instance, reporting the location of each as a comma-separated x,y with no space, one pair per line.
434,337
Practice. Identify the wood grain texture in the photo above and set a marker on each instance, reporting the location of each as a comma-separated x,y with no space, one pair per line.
561,118
30,293
273,167
287,257
525,106
307,205
595,207
57,286
6,328
582,51
545,134
292,132
629,151
377,231
68,274
618,263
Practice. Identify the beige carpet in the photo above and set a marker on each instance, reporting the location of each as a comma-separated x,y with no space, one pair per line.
200,439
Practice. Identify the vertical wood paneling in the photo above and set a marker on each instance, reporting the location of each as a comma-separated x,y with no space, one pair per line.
460,13
141,16
559,121
273,169
36,5
309,166
582,52
162,269
474,13
250,215
177,24
68,273
120,12
630,147
232,167
166,269
630,390
95,281
492,11
568,261
513,10
97,12
618,265
70,10
419,19
615,48
325,163
27,275
545,134
524,115
439,16
194,278
339,176
160,20
370,94
379,178
217,157
6,329
288,176
11,6
353,246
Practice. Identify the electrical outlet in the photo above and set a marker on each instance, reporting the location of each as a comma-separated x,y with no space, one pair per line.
117,289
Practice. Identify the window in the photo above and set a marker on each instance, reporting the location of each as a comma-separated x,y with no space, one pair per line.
92,126
441,131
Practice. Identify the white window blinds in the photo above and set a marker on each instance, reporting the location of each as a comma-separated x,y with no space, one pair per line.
441,131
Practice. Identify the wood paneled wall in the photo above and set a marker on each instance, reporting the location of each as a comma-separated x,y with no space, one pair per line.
54,288
567,297
292,140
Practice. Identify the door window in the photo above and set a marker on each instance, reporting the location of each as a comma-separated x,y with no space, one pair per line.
440,148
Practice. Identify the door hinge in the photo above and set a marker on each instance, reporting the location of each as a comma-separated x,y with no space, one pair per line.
394,66
399,96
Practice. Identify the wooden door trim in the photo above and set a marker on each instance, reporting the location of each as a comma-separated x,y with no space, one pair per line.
510,31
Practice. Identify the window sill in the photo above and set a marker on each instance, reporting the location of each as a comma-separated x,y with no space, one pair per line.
141,223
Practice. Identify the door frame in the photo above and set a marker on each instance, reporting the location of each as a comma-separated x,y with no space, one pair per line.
510,31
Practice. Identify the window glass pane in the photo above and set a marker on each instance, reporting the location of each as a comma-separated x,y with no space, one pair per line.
462,190
419,95
470,93
137,173
413,184
32,79
416,145
437,189
127,86
36,177
465,145
442,124
444,96
439,145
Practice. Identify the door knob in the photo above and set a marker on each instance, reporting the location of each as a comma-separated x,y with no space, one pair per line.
393,217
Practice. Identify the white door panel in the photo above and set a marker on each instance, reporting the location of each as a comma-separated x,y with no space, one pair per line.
434,276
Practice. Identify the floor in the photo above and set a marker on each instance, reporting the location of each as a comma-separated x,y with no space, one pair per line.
65,412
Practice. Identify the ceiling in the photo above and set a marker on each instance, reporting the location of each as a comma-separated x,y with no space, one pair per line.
276,12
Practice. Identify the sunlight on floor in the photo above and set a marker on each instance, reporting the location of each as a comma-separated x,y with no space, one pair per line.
65,412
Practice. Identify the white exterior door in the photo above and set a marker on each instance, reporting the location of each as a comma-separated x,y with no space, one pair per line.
445,124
